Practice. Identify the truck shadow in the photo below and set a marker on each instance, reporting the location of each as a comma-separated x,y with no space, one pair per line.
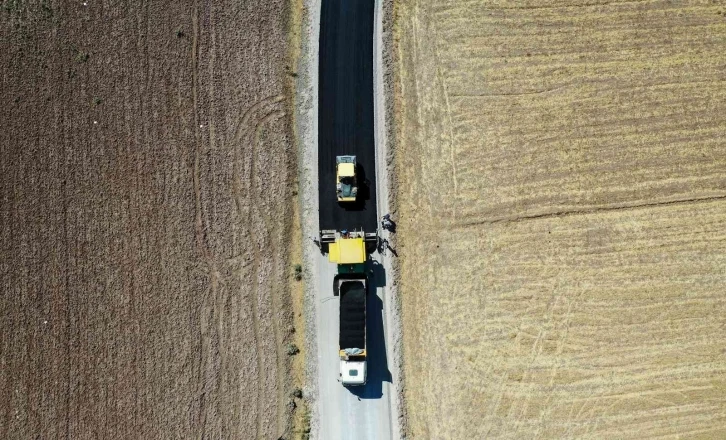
376,275
378,371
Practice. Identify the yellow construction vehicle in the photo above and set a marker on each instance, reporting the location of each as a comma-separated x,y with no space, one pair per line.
348,252
346,187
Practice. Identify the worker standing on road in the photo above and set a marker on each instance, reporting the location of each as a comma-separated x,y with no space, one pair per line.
387,224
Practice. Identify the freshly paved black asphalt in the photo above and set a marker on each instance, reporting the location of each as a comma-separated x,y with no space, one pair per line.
345,122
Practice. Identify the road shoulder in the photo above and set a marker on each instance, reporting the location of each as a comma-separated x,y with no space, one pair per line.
383,100
306,121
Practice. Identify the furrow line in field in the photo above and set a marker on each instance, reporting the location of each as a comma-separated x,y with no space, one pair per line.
618,207
247,135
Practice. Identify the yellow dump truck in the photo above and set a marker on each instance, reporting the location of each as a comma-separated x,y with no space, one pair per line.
351,286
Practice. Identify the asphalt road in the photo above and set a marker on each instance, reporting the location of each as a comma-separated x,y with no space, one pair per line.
346,126
345,110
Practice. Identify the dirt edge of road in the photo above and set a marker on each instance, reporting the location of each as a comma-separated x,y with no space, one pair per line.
387,170
300,419
305,121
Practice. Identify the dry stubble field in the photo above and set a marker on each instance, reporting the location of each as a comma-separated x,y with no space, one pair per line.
146,177
562,208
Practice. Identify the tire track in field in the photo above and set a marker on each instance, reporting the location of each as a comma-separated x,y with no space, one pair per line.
200,224
275,299
125,207
218,305
246,139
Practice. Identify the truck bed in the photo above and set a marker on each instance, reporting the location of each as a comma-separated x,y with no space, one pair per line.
352,314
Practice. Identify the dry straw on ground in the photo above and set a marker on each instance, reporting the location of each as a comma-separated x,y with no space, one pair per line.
562,202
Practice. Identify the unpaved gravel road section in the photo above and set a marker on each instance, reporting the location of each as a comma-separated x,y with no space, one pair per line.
146,180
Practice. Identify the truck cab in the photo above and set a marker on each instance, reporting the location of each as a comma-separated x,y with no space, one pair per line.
353,372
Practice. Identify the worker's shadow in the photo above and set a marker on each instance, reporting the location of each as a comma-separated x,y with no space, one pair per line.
376,341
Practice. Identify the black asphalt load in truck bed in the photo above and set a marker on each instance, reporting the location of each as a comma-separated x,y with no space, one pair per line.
352,314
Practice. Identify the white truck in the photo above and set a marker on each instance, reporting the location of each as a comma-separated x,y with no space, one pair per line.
348,252
352,340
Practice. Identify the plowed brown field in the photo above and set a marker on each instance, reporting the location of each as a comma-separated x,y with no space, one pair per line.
146,180
562,207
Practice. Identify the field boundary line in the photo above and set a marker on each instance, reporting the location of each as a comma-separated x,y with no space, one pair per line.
592,210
